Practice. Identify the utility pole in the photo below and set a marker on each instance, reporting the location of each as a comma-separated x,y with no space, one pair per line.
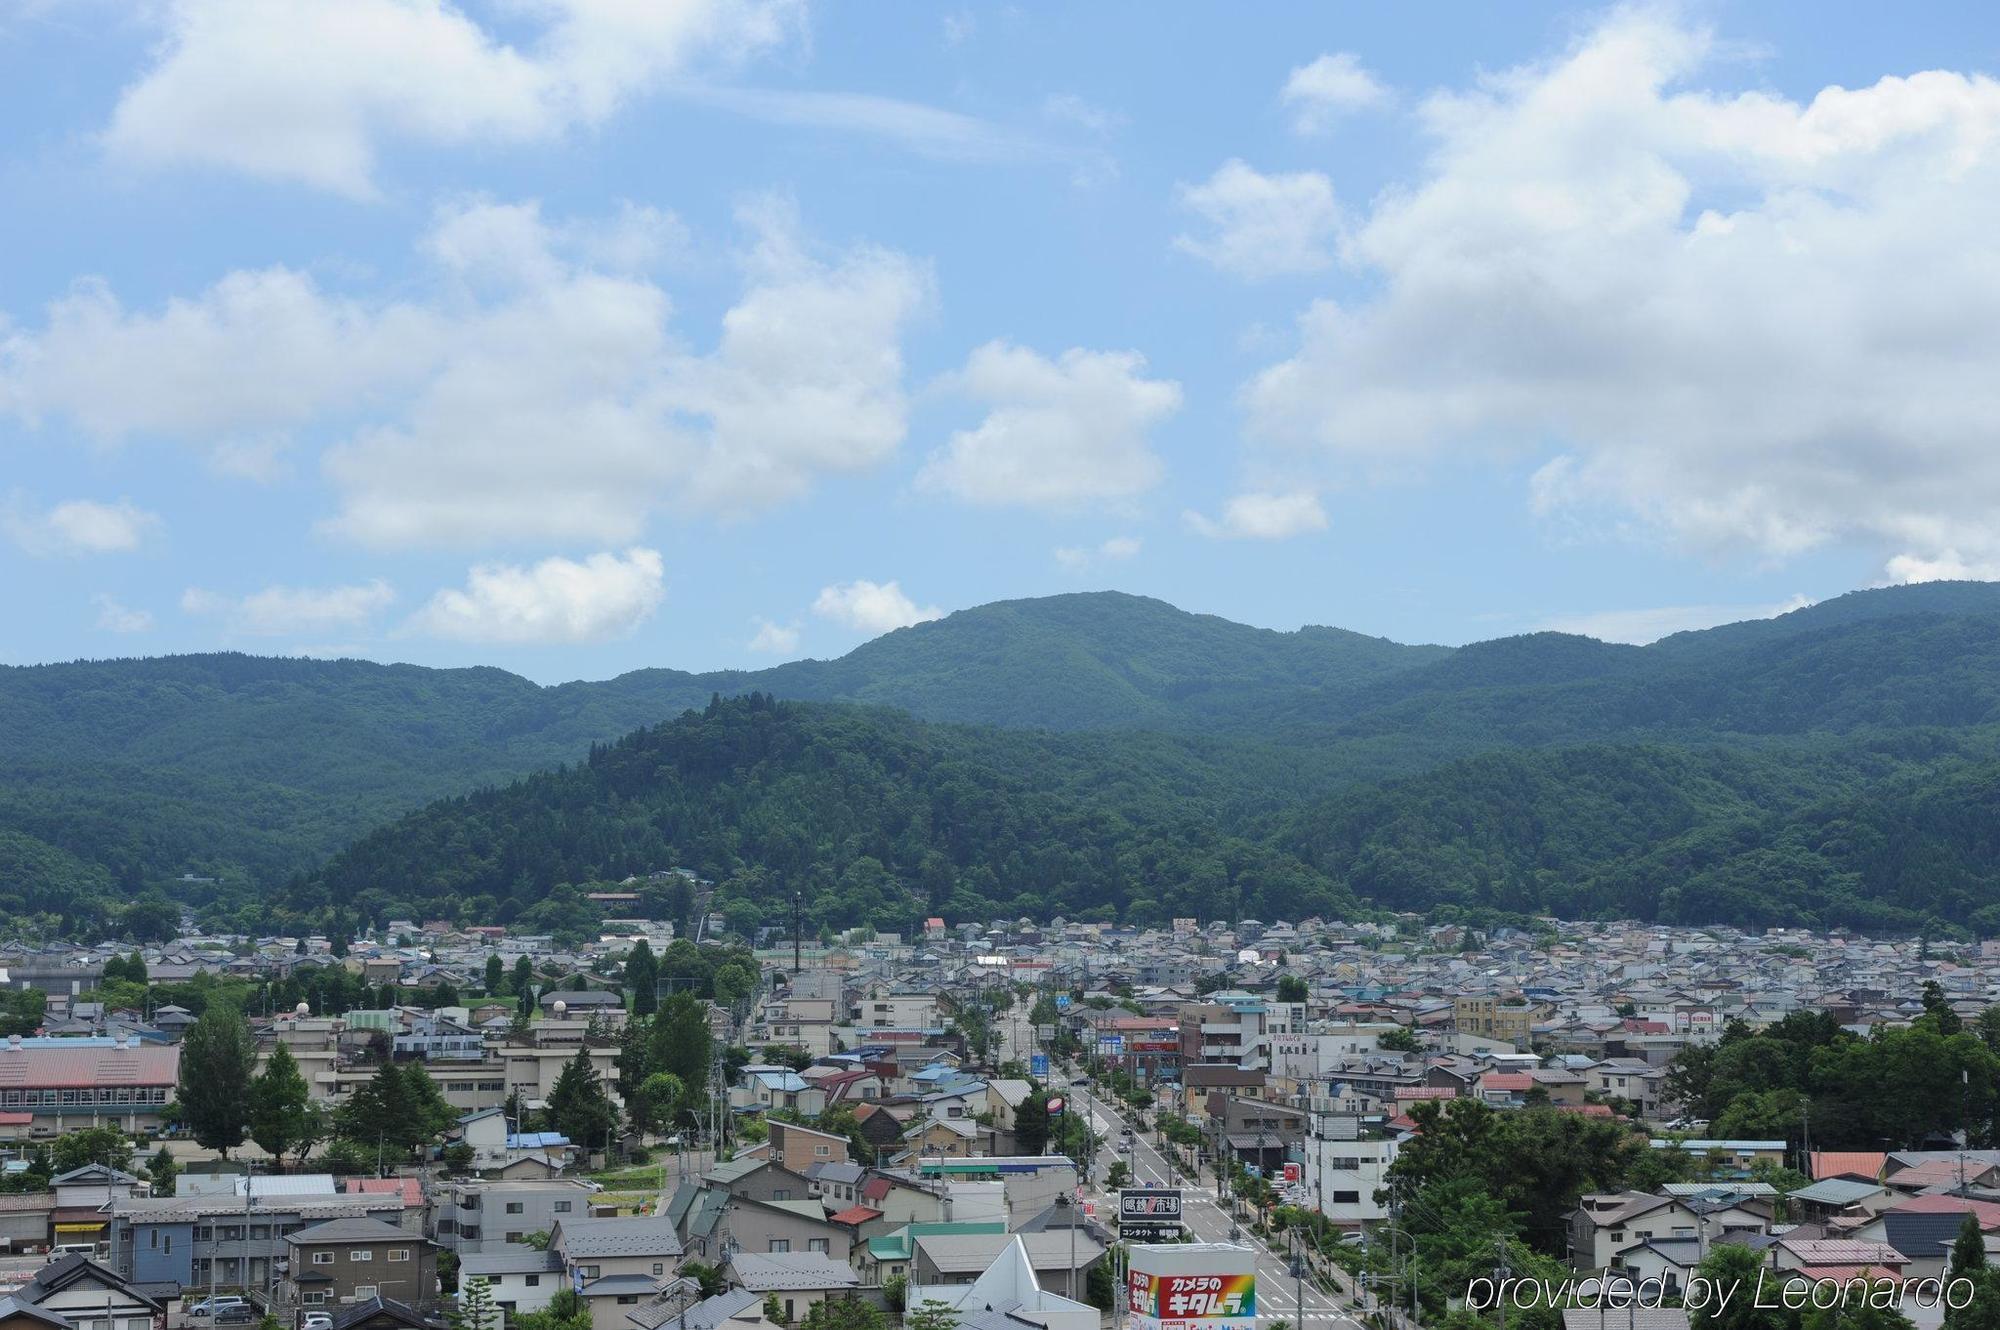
796,941
1500,1245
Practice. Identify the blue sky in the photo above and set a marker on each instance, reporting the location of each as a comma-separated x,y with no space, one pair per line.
575,338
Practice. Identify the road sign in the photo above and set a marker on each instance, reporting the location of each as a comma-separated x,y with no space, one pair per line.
1149,1214
1062,1002
1038,1064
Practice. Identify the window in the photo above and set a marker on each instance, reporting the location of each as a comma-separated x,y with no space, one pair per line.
781,1246
360,1254
322,1258
627,1298
812,1244
363,1292
782,1194
659,1267
260,1232
516,1207
167,1246
399,1254
821,1151
1347,1198
534,1281
586,1271
313,1297
562,1207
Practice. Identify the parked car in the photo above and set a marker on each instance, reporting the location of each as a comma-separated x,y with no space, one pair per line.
317,1321
241,1314
206,1308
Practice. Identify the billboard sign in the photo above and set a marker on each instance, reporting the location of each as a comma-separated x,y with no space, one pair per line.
1205,1298
1038,1064
1111,1045
1055,1105
1294,1172
1149,1214
1197,1286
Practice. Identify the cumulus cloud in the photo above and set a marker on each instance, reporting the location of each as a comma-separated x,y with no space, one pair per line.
311,91
1117,549
1330,87
871,607
1727,310
1262,225
113,617
1262,516
1058,433
286,609
78,526
556,600
1638,627
538,392
774,638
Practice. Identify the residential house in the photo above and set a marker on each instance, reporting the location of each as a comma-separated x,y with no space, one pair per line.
345,1261
616,1264
90,1296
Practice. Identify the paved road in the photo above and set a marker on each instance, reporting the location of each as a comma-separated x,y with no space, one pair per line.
1208,1221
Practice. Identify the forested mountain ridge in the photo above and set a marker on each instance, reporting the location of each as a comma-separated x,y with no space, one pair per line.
251,770
879,817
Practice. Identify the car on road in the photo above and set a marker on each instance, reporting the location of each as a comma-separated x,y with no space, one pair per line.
213,1308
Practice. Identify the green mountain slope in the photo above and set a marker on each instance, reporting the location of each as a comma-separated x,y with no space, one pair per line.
877,817
253,770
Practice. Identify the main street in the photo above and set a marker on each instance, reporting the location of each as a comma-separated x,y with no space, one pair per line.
1205,1218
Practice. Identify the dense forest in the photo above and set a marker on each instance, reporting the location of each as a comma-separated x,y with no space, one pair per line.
1105,754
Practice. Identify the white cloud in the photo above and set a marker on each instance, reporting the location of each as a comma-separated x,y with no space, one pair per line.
1727,310
1069,109
1059,433
79,526
1331,86
1263,225
871,607
284,609
1261,516
1638,627
1947,566
556,600
113,617
1077,558
536,393
777,639
311,91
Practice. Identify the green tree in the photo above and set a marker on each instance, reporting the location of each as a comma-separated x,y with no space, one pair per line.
680,1041
1730,1266
1031,1123
496,973
524,974
642,978
843,1313
1938,1007
474,1308
566,1311
280,1105
218,1058
1968,1249
162,1172
578,1106
931,1314
1291,988
80,1146
1402,1039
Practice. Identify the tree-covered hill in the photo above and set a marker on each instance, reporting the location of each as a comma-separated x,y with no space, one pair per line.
878,817
874,815
251,771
